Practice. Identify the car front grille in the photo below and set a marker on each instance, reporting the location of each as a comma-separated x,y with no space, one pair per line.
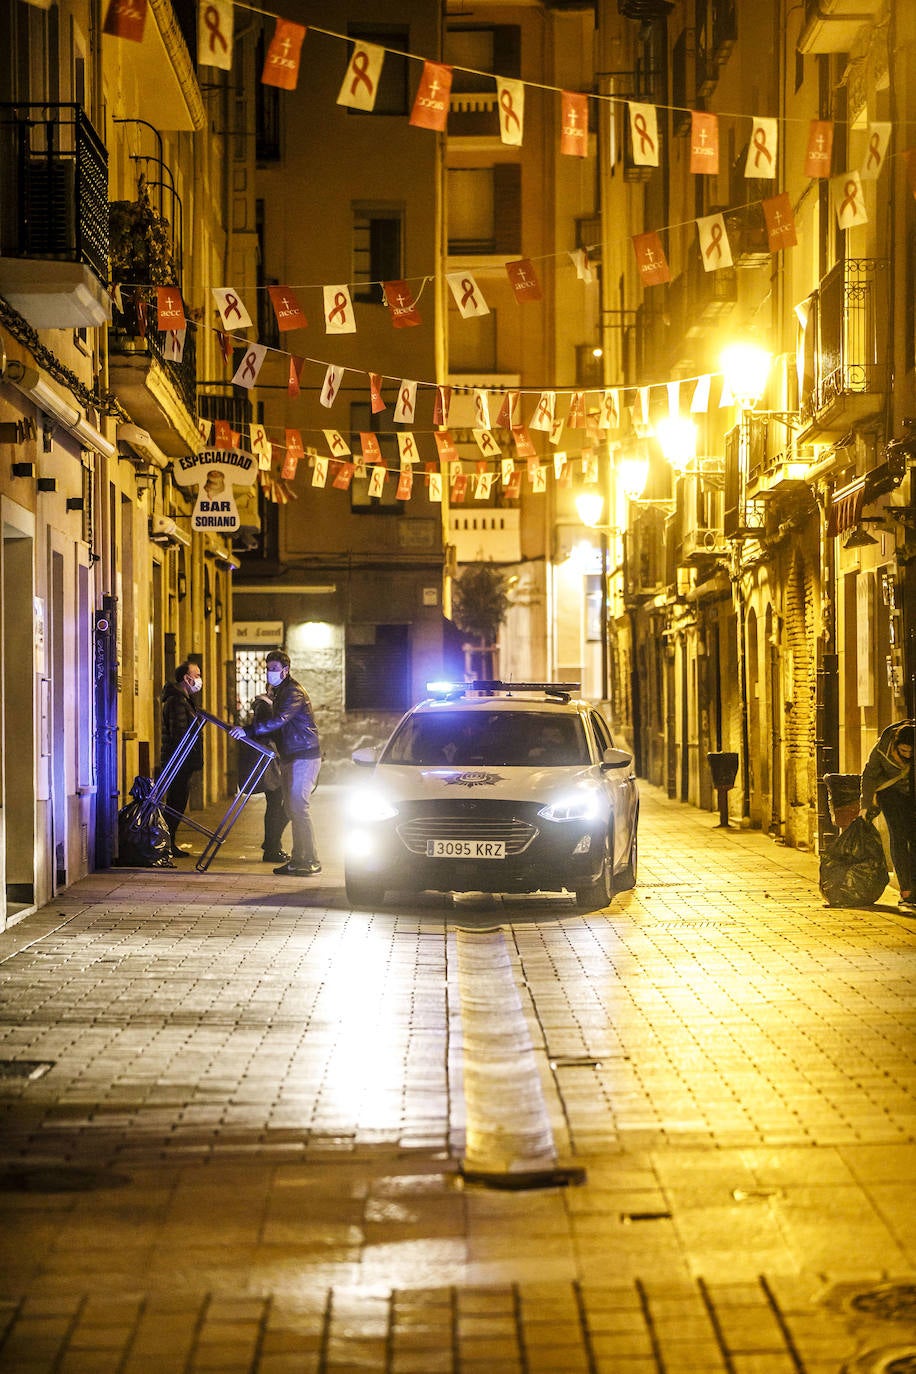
517,834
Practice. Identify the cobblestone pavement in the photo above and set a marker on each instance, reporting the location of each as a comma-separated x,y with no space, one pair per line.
245,1128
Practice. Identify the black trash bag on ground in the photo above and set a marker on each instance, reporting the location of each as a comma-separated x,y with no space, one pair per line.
143,833
853,867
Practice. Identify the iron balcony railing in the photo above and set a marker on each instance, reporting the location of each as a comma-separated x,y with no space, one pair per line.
53,186
846,345
131,333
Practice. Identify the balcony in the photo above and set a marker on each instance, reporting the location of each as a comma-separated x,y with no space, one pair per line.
160,393
473,114
53,216
645,555
846,348
780,467
744,515
487,535
832,25
697,525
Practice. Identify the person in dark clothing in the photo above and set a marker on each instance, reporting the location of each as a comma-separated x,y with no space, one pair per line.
887,786
271,784
291,726
179,711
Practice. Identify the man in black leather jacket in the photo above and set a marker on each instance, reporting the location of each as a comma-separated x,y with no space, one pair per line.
291,725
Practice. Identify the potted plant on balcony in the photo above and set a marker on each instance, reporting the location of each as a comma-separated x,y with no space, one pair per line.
140,242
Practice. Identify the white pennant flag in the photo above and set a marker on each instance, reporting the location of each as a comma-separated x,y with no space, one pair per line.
486,443
556,430
715,249
582,265
510,96
507,468
545,412
232,312
360,84
214,34
337,443
482,409
320,471
849,200
435,486
761,151
539,478
699,402
468,295
377,481
674,399
331,385
407,448
879,136
338,310
643,134
246,374
260,446
406,409
609,411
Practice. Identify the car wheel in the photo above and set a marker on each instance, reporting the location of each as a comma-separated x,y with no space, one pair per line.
598,894
362,892
626,878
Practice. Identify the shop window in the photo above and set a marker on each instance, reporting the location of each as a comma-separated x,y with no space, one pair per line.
377,668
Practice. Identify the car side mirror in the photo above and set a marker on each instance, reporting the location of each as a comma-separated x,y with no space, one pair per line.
365,758
615,758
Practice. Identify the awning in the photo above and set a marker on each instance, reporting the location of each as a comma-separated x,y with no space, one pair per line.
846,507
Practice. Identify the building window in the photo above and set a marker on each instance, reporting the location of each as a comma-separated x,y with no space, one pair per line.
267,112
377,253
392,96
485,209
494,51
472,343
377,673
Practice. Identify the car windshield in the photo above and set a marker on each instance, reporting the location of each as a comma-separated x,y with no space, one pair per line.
467,739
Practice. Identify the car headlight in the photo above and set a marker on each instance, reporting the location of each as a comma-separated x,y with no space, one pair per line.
368,805
583,805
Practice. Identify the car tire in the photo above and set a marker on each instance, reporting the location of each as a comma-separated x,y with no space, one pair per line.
596,895
362,892
625,880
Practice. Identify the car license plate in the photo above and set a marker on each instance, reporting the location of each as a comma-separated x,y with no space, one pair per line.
466,849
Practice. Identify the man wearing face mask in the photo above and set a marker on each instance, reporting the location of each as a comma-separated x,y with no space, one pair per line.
179,711
292,727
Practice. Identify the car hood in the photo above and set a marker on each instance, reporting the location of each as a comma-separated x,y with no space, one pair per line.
485,784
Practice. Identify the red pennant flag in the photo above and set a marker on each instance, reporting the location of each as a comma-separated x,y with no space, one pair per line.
704,143
459,486
400,301
650,259
371,448
169,309
223,434
445,446
780,222
524,280
575,418
225,345
574,124
405,485
375,392
819,153
513,487
522,439
290,464
430,108
281,65
504,418
286,308
295,372
294,444
125,19
344,477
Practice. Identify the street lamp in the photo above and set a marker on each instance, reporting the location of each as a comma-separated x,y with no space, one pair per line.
746,367
677,438
590,506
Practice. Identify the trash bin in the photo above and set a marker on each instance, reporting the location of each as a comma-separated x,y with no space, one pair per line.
724,768
843,794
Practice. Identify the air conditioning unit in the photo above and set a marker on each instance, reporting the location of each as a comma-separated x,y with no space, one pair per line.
163,530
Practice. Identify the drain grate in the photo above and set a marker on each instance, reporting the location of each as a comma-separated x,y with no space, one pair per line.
892,1302
57,1179
30,1069
628,1218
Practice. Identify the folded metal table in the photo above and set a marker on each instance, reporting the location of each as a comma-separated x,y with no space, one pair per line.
235,808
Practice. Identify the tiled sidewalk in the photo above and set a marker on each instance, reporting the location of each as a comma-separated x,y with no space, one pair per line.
241,1145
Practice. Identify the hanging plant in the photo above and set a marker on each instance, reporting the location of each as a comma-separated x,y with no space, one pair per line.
140,242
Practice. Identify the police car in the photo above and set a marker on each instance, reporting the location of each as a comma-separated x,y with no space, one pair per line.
495,787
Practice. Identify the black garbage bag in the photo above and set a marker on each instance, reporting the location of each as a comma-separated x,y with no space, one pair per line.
143,833
853,867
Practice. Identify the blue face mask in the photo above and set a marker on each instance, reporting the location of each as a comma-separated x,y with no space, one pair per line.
274,677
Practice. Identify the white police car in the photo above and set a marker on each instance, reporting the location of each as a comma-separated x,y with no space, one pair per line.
495,787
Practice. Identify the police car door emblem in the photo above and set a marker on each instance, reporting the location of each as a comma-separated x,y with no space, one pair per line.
474,779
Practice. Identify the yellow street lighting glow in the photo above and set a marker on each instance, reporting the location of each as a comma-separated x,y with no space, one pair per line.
678,440
633,474
589,505
311,634
746,367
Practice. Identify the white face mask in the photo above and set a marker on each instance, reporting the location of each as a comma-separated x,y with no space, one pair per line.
194,685
274,677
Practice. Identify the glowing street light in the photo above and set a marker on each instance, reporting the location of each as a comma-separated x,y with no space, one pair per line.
678,440
746,367
589,506
633,474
